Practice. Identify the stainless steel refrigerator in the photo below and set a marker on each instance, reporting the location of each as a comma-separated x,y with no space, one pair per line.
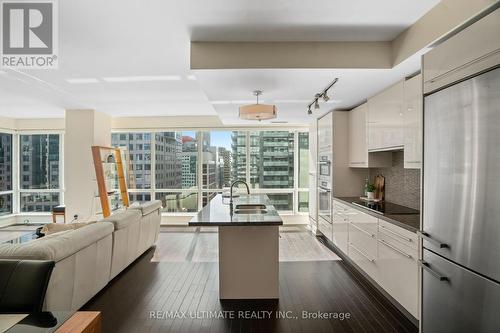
461,207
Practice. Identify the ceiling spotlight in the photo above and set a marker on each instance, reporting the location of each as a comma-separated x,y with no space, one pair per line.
322,95
316,104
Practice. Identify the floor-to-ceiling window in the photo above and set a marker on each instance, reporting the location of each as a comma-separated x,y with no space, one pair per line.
39,172
6,177
185,169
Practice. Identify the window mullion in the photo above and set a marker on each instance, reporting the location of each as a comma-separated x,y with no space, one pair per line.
152,189
295,171
247,157
16,197
199,168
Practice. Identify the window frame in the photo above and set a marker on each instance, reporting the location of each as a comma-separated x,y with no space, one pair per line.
13,166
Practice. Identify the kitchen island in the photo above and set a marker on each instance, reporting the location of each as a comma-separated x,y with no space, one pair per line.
248,245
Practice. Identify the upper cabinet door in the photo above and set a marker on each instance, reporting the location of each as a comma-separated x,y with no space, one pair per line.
473,50
325,132
385,119
358,150
412,119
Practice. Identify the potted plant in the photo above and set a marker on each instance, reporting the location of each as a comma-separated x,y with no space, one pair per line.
370,191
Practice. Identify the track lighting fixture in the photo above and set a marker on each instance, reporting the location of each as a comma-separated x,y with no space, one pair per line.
323,95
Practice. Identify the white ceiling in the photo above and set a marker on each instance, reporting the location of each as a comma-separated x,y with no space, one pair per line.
117,38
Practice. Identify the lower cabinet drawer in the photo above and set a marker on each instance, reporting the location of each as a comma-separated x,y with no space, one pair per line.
398,274
325,228
340,228
398,234
365,241
365,261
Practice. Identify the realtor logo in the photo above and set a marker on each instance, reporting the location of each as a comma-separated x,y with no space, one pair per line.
29,34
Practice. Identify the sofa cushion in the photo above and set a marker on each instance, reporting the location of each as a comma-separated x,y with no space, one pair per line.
123,219
59,245
51,228
146,207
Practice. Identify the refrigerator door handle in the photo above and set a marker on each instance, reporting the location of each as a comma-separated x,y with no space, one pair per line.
427,267
428,238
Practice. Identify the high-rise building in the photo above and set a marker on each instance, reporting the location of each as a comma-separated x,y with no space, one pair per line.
39,169
225,164
168,152
238,156
189,162
271,162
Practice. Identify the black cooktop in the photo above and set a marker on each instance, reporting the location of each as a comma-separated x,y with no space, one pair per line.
385,208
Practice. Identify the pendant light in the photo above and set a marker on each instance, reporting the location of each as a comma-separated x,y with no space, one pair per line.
258,111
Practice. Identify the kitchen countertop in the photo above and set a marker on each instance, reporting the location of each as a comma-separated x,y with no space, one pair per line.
216,213
409,222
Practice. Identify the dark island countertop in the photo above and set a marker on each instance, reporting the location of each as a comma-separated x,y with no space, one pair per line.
410,222
217,213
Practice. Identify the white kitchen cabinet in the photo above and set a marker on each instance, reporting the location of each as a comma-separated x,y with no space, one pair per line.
325,228
363,242
398,269
325,132
412,120
358,142
340,226
358,148
385,252
385,119
474,49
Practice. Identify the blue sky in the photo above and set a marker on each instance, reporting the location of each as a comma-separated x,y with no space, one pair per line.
217,138
221,139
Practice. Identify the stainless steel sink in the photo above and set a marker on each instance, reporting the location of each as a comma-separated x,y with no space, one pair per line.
250,206
250,211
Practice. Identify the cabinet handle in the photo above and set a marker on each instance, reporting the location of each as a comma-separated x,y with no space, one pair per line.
408,239
428,238
426,266
364,231
362,253
395,248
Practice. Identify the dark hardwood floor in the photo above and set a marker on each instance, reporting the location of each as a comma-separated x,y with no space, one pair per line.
141,298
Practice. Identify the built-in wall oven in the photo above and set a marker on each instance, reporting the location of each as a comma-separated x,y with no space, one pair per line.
324,201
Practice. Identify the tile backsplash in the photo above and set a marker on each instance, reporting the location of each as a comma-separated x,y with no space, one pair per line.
402,186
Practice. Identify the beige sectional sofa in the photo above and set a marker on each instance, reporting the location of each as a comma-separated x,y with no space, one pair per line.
88,258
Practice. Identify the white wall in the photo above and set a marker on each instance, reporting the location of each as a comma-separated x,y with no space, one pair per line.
7,123
84,128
